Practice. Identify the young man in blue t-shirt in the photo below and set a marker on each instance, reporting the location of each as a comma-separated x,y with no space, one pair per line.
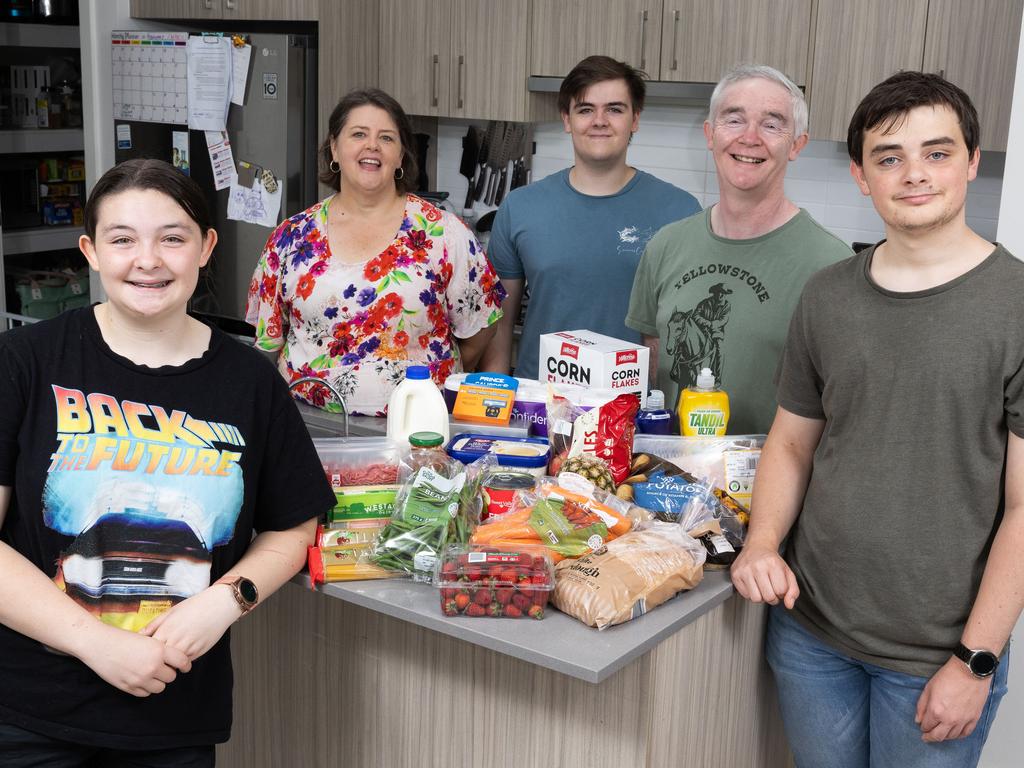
575,238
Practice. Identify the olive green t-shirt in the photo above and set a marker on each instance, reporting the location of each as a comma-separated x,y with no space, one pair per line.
725,305
917,391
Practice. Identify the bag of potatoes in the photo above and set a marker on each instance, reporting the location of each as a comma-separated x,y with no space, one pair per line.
630,576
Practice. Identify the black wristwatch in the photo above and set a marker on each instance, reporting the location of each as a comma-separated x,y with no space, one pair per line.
982,664
245,592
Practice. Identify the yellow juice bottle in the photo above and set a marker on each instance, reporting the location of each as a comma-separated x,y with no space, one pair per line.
703,408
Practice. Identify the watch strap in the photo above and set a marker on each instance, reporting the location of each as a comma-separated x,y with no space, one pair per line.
975,659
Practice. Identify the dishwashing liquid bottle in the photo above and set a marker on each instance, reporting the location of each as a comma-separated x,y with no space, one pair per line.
417,405
703,408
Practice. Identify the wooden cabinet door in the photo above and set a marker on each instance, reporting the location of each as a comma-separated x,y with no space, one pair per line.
564,31
175,9
270,10
488,60
856,46
973,43
348,56
415,56
702,39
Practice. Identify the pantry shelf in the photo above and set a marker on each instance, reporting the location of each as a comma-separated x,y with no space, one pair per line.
40,239
40,140
38,35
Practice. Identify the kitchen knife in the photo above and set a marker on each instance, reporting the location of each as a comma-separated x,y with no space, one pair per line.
485,155
512,138
492,162
467,167
501,162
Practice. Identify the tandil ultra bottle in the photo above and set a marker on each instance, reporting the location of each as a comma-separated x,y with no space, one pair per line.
704,408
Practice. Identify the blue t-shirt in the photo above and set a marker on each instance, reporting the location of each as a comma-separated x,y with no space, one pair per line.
579,253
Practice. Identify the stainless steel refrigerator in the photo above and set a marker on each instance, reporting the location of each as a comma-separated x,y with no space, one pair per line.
274,129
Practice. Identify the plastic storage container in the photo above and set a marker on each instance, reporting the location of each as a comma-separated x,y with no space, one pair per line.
483,582
527,454
416,405
359,461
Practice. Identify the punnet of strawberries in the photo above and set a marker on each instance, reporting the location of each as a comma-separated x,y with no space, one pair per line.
495,583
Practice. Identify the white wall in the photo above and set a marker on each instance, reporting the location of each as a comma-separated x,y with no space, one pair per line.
670,145
1005,748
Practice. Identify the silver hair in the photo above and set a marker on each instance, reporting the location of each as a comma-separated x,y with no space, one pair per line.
764,72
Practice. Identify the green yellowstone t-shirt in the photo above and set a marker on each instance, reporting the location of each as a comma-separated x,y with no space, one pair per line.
725,305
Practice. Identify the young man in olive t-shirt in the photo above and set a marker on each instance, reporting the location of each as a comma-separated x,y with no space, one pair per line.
895,463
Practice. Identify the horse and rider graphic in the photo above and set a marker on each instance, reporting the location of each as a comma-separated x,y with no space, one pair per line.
694,338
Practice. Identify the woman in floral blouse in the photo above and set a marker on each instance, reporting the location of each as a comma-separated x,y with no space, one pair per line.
372,279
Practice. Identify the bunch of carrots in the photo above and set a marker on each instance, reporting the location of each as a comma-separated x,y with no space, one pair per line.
514,530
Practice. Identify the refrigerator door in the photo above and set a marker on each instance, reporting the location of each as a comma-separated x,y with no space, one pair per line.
275,129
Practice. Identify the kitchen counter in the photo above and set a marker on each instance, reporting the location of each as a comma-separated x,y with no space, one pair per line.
372,674
558,642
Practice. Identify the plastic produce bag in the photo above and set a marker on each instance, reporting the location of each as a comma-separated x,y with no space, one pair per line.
605,431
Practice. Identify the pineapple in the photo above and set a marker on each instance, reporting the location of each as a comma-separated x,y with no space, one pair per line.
592,468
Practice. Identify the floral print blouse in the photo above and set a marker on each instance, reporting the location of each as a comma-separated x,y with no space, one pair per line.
360,325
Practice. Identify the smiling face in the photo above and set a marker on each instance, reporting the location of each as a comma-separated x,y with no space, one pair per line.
601,123
148,252
752,137
917,172
368,149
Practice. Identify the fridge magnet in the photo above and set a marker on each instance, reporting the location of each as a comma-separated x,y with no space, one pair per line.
179,151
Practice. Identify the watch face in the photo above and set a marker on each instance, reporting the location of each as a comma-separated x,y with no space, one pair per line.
983,663
248,591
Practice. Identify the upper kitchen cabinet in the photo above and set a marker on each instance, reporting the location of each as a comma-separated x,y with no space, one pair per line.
974,43
243,10
562,32
456,58
856,45
702,39
347,56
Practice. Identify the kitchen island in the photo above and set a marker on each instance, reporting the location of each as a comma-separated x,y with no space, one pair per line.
371,673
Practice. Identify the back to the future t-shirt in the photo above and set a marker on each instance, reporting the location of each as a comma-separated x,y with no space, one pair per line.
134,489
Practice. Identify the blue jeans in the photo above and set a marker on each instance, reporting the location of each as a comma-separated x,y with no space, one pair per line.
843,713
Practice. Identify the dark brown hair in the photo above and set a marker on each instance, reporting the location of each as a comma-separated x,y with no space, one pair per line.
373,97
888,103
148,174
597,69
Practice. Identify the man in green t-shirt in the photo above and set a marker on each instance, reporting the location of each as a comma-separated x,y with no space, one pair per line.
716,290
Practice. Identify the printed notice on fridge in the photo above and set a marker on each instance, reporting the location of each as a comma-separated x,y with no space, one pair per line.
255,204
179,151
221,160
239,72
209,82
149,77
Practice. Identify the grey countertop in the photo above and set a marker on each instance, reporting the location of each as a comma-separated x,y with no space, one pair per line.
557,642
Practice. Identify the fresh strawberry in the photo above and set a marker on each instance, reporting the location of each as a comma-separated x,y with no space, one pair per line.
504,595
512,612
507,576
449,568
476,610
474,572
522,574
482,597
462,600
521,601
450,608
539,578
447,593
496,610
536,612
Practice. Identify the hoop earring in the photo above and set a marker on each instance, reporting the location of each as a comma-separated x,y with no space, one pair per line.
333,166
399,174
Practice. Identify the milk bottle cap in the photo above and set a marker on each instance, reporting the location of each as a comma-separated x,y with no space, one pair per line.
417,372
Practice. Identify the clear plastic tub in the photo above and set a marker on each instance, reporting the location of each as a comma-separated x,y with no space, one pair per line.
359,460
491,582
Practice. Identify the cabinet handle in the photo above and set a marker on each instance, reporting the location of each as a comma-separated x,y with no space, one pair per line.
675,39
462,61
230,5
433,83
643,39
208,4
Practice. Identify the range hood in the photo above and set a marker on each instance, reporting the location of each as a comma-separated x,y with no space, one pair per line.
699,93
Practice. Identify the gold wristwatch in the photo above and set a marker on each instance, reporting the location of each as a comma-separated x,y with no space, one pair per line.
245,592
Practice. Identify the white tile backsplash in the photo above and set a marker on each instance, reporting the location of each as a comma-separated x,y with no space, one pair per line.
670,144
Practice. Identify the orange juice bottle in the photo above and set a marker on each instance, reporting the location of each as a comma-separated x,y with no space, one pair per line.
703,408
